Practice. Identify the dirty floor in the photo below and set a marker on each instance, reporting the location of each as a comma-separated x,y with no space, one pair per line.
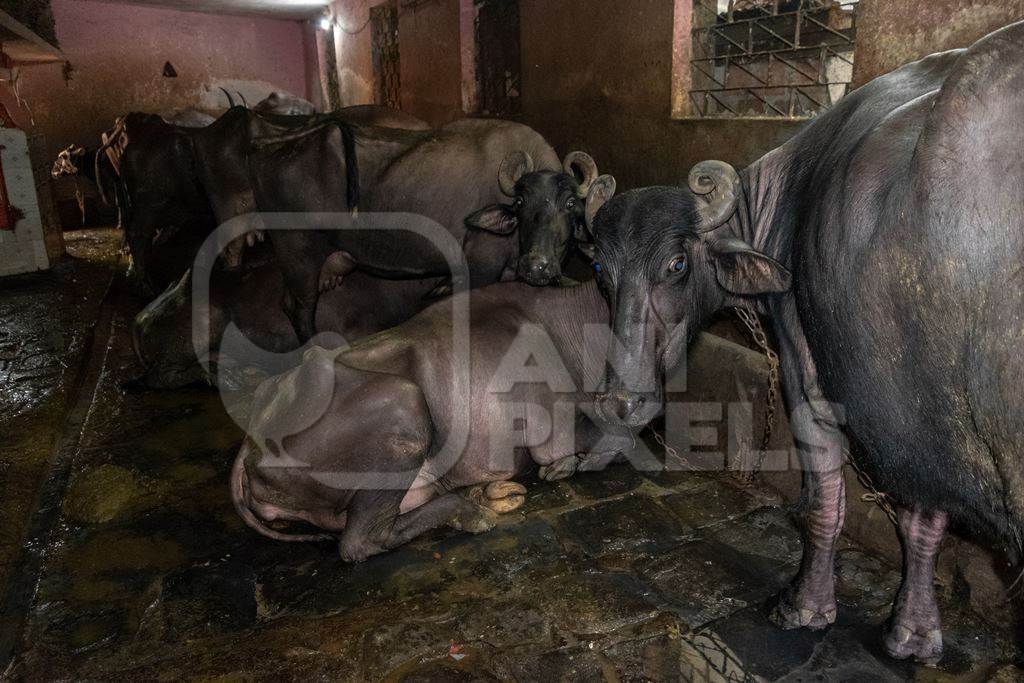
122,557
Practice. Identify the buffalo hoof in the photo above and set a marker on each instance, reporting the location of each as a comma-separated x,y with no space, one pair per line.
789,614
355,552
500,496
331,283
560,469
474,519
903,641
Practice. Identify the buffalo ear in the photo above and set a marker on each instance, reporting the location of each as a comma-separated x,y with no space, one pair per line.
600,193
497,218
743,270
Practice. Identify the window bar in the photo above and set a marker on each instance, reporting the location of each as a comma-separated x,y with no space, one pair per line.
765,101
795,68
772,33
829,29
796,33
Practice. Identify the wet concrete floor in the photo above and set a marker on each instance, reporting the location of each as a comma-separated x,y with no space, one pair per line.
122,556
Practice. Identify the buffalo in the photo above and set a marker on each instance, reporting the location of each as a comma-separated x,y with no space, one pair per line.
176,184
397,398
162,333
460,176
885,242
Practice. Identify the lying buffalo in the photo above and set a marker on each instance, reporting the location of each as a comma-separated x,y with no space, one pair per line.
885,240
459,176
162,333
386,463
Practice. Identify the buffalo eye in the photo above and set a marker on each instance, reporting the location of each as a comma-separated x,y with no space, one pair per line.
517,203
677,265
571,204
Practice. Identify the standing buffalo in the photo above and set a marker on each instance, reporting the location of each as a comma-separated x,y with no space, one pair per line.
886,242
459,176
76,161
163,205
401,438
179,183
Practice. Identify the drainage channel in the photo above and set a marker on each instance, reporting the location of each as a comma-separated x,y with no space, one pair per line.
21,586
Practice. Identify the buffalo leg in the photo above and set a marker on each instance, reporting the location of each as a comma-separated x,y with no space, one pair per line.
299,305
914,630
374,525
810,601
580,462
301,255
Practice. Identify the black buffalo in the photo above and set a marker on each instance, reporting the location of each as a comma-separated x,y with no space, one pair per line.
162,333
460,176
179,183
886,241
163,204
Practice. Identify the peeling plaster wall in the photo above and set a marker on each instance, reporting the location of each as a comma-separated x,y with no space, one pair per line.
894,32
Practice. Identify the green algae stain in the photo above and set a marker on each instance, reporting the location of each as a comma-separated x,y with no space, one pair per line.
120,551
102,494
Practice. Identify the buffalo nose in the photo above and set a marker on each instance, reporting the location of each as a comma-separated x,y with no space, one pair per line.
620,404
538,270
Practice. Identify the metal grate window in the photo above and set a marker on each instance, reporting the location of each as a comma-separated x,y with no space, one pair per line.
386,72
498,60
777,58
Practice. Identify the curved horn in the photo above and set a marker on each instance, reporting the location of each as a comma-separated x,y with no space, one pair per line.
587,167
242,97
513,167
601,192
231,100
718,184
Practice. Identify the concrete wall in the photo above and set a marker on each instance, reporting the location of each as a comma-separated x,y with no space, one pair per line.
891,33
597,76
118,53
430,57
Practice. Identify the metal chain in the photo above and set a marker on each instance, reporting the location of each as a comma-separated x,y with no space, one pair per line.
753,323
873,495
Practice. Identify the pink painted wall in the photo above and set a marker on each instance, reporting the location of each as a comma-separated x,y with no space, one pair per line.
118,52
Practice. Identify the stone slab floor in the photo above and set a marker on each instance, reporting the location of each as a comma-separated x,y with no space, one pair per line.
122,557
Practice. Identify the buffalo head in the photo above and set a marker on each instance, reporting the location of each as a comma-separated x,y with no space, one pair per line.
666,260
68,162
548,210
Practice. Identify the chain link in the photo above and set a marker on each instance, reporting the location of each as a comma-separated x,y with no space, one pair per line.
747,478
753,323
873,495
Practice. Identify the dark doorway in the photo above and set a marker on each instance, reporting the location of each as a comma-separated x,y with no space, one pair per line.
384,20
498,61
